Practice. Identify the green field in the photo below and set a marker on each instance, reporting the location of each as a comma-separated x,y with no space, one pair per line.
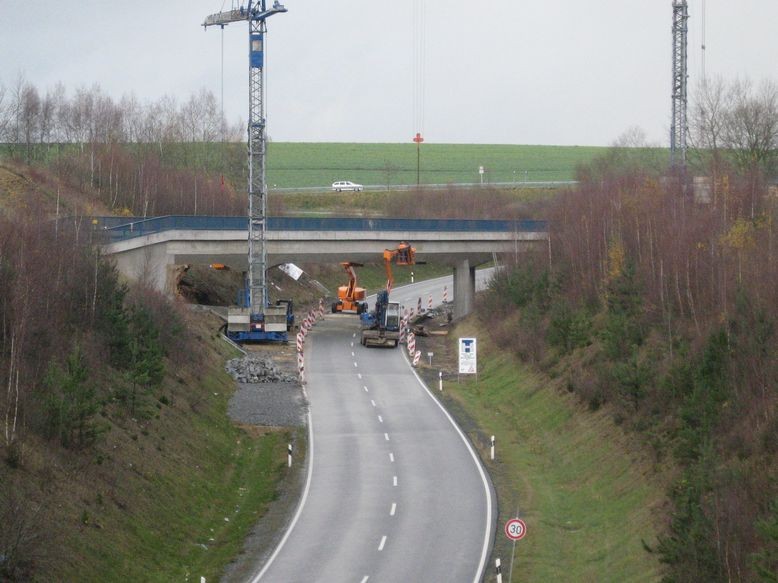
306,164
291,165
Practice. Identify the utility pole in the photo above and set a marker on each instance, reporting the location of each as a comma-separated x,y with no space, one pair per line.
418,139
679,125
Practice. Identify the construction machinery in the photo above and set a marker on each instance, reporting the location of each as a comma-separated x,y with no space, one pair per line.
404,254
259,321
381,327
351,298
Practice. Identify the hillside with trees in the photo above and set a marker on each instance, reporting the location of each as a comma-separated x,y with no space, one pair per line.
115,441
663,311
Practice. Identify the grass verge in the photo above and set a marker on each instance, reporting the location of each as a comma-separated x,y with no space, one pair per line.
591,500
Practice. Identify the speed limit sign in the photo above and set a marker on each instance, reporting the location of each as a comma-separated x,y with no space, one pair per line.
515,529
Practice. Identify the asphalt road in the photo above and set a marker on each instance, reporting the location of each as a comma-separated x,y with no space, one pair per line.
394,493
409,295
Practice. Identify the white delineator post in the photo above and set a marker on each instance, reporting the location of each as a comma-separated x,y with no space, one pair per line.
289,455
440,380
492,447
498,570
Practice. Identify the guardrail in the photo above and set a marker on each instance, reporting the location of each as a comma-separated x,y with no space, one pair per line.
402,187
122,228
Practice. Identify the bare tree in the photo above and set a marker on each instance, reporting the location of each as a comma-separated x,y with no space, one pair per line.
30,117
5,117
751,125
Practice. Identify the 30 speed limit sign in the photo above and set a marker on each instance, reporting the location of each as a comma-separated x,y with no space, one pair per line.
515,529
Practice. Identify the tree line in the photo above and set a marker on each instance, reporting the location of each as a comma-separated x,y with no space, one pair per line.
134,158
663,308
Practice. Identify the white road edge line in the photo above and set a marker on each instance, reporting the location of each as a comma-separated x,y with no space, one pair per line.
488,528
297,514
383,542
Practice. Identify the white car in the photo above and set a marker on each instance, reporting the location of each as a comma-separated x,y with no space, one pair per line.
341,185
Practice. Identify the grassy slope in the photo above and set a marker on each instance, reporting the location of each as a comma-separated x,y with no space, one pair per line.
149,503
588,496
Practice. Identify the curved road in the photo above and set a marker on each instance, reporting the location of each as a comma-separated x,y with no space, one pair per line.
394,491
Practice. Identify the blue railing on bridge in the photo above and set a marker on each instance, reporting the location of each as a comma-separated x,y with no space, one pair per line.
120,228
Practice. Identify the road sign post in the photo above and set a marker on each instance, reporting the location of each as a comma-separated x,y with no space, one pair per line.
515,529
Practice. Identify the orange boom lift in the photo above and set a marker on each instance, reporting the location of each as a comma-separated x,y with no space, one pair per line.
350,297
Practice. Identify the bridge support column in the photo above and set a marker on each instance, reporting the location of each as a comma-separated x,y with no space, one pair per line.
464,289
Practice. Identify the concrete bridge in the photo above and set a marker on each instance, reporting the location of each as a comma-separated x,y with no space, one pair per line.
151,248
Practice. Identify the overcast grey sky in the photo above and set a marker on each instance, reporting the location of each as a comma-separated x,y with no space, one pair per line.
499,71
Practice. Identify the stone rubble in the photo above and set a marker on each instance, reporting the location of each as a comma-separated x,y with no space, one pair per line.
256,369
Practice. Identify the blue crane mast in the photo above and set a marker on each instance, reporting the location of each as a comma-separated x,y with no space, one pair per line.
259,321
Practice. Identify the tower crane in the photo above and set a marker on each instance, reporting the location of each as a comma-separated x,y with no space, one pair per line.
258,321
679,125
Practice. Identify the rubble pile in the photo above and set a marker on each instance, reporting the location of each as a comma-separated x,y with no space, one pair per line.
256,369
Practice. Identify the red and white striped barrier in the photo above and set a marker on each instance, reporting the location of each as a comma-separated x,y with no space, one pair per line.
300,339
429,302
301,366
445,294
411,343
416,358
403,330
418,306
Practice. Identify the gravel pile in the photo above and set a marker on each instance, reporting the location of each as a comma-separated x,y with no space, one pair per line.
268,394
256,369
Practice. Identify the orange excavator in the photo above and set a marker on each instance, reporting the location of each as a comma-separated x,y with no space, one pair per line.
350,297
